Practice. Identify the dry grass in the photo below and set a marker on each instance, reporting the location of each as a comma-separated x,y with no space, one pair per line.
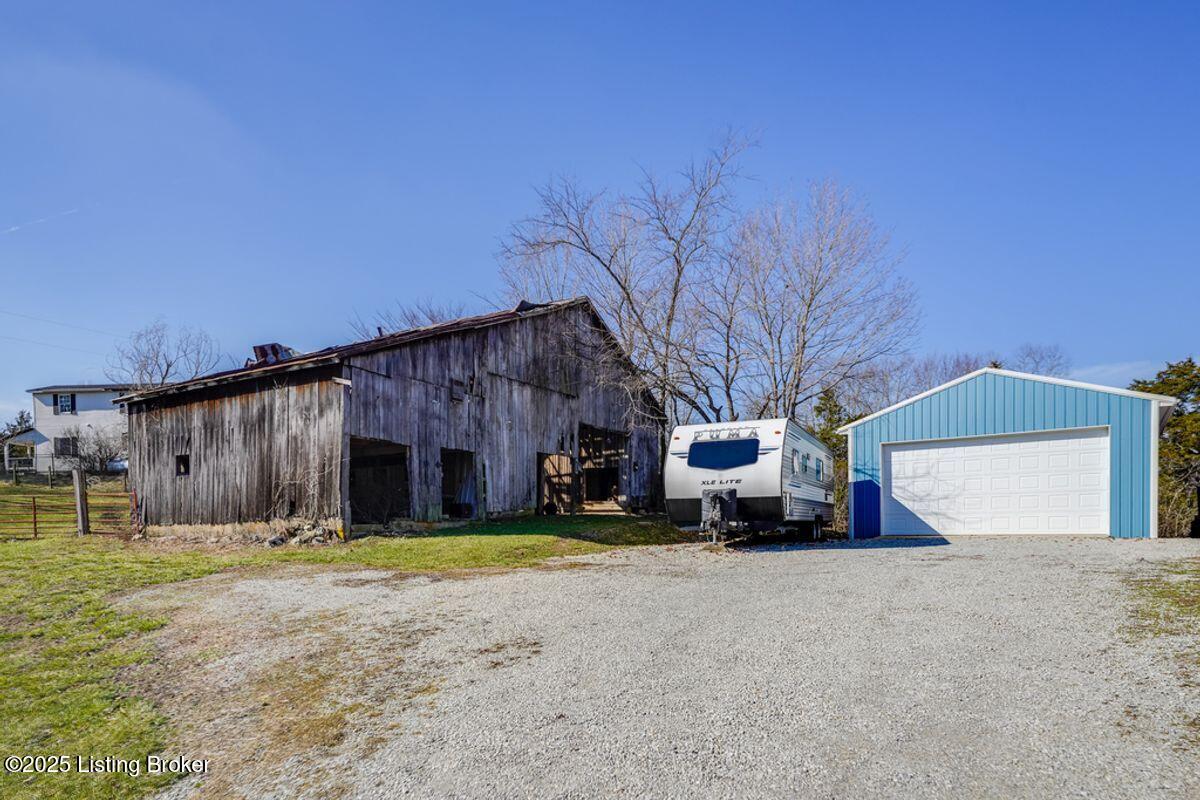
1168,605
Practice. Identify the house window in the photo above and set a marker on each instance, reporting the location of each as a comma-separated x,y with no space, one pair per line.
183,465
66,446
62,403
820,470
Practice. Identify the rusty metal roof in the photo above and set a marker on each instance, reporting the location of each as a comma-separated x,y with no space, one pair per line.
335,355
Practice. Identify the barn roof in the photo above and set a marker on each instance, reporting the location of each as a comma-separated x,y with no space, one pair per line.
337,354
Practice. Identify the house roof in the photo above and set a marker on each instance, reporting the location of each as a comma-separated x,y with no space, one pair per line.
82,387
15,434
337,354
1166,401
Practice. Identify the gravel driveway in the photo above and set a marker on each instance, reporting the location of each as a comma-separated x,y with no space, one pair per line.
978,667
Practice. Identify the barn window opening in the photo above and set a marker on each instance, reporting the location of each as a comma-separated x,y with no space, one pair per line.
601,456
723,453
380,489
459,495
183,465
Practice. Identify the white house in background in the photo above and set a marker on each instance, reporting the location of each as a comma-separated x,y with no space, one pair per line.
57,412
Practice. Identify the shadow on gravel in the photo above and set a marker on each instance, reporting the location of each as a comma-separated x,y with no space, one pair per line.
770,542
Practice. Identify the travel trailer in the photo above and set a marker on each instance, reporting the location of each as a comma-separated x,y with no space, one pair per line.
748,475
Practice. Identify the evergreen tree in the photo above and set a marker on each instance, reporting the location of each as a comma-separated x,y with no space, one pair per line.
1179,450
828,415
22,421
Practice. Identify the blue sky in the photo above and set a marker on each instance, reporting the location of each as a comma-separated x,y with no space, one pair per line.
266,171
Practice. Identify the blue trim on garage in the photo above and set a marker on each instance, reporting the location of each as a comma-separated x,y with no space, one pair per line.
994,404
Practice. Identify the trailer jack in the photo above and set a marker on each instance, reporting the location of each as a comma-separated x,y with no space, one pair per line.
718,512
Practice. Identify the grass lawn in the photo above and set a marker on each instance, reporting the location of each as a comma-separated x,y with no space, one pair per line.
63,644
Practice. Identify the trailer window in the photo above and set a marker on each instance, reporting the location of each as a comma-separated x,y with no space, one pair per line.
820,470
724,454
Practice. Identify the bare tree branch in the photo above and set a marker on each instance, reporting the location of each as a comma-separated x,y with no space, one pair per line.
155,356
403,317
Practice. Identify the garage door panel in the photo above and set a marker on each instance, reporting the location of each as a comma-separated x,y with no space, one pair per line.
1045,482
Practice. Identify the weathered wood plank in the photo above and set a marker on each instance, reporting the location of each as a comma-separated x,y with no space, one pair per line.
279,446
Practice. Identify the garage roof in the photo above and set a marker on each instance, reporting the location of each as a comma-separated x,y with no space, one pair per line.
1166,402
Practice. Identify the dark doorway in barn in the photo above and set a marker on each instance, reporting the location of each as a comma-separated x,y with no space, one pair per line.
600,455
379,482
556,484
459,496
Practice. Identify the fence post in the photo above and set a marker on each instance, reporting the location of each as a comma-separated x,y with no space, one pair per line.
81,503
135,519
33,503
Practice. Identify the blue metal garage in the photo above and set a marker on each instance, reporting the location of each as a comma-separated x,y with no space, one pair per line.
1000,452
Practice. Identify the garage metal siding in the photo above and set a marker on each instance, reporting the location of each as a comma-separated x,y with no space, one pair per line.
992,404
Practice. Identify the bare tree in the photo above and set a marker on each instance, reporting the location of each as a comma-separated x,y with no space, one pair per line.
406,316
723,313
155,356
889,381
1041,359
95,447
825,299
894,380
640,257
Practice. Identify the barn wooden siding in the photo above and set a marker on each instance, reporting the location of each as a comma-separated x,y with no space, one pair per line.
506,393
280,446
257,450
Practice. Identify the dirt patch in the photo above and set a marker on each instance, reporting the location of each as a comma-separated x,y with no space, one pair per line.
504,654
265,693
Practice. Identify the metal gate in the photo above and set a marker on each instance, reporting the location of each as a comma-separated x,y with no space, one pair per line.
33,516
36,515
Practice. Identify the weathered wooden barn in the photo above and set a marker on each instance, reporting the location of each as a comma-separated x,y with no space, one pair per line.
526,409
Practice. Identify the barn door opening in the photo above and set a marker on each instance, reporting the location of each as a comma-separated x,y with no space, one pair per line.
601,455
379,482
556,484
459,496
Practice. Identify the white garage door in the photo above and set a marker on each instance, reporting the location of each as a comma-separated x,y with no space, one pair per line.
1049,482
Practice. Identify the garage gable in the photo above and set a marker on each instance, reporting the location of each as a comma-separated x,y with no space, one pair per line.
996,403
